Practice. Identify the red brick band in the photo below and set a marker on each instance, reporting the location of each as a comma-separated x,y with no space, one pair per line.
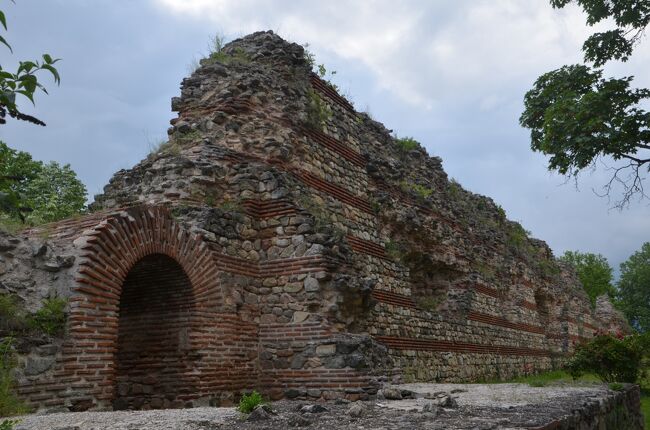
324,88
502,322
306,178
262,209
394,299
335,145
366,247
401,343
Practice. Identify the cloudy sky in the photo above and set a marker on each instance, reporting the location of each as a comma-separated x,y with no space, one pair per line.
451,73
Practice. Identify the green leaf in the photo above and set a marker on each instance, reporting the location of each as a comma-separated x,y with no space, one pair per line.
26,66
3,20
29,95
4,42
55,73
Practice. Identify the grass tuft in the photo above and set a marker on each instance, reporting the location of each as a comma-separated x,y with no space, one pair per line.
50,318
249,402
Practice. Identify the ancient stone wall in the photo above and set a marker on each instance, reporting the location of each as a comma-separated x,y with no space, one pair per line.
283,241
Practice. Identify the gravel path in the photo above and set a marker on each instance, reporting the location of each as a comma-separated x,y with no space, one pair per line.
459,406
168,419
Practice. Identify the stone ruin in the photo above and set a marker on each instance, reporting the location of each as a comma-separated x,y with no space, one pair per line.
284,242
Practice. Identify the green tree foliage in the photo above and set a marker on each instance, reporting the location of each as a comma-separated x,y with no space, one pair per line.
577,117
17,169
634,288
594,273
23,82
612,359
35,192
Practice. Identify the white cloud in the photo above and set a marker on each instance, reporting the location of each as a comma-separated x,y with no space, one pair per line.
420,51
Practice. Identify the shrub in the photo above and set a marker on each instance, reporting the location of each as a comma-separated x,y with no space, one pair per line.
249,402
616,386
50,318
612,359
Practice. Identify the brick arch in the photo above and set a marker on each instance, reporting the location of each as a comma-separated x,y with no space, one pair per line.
110,251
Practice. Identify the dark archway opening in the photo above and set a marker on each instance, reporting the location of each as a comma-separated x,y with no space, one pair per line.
155,361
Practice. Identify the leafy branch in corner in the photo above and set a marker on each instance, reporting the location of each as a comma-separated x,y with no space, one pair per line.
23,82
577,117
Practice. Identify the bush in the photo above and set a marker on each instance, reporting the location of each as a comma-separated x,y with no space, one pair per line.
612,359
50,319
249,402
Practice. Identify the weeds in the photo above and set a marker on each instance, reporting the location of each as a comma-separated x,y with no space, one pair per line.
394,250
454,189
548,268
318,111
50,318
8,424
9,403
249,402
406,144
428,303
12,315
420,191
517,236
166,147
319,69
216,52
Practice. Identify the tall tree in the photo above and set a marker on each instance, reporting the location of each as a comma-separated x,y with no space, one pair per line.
577,117
634,288
36,192
594,273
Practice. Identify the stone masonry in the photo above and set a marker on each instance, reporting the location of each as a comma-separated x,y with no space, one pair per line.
282,241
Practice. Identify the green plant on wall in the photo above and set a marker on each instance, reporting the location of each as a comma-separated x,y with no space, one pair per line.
167,148
454,189
318,111
317,210
217,54
548,268
487,271
422,192
320,69
50,318
428,303
517,236
12,316
394,250
406,144
9,403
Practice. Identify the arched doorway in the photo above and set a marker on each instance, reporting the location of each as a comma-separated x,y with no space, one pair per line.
155,364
